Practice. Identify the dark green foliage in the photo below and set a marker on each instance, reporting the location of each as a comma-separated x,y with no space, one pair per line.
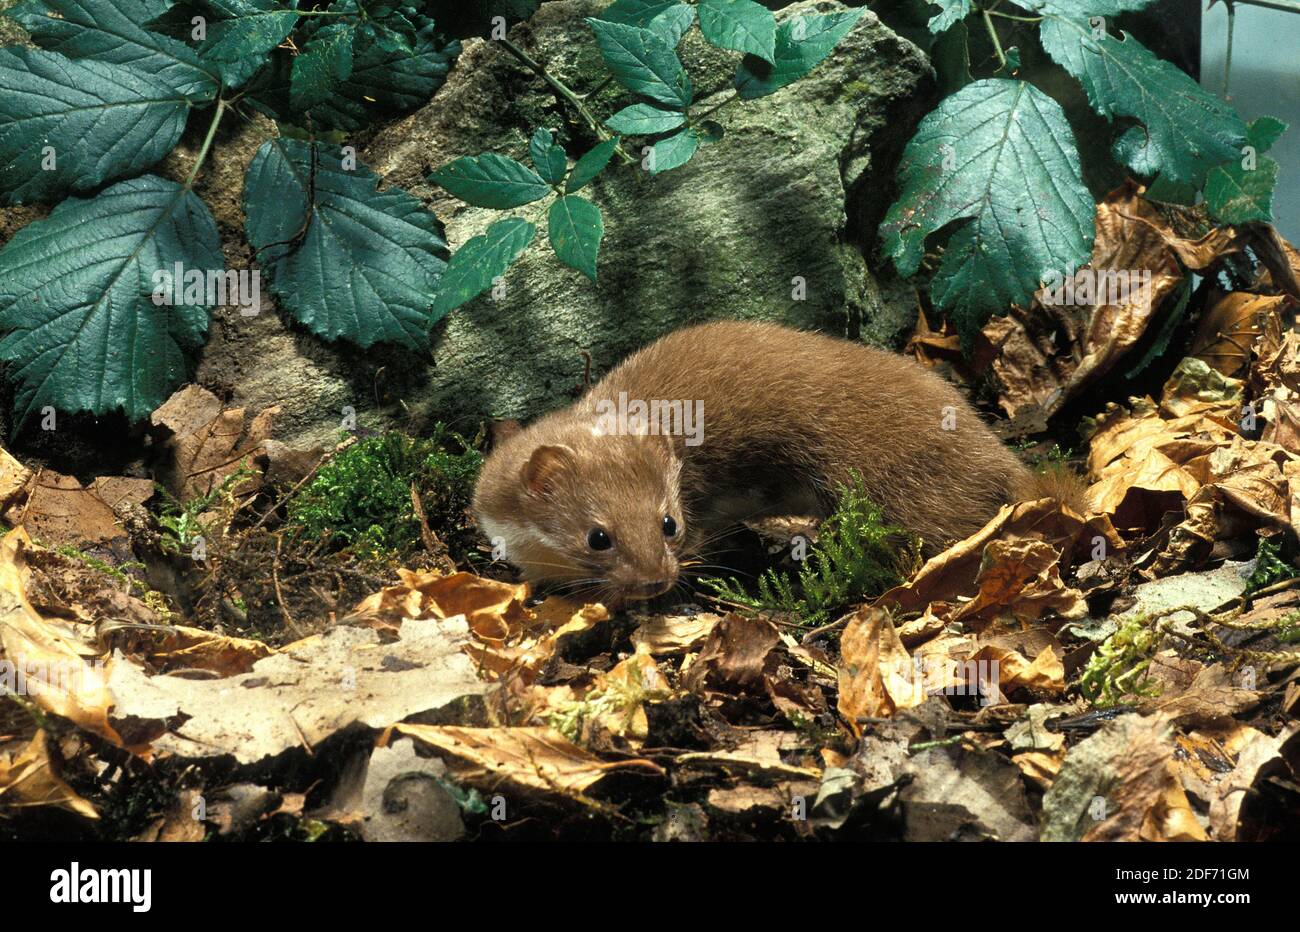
1270,568
857,556
361,499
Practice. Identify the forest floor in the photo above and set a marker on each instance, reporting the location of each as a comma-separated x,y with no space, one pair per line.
256,642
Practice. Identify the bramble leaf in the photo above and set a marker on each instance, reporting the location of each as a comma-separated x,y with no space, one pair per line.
108,31
645,120
491,180
739,25
1236,193
576,229
673,152
475,265
355,263
950,12
242,33
1186,130
73,125
591,165
999,157
324,63
802,43
548,158
643,62
76,299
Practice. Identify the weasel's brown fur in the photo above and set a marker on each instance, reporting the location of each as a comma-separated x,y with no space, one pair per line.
787,417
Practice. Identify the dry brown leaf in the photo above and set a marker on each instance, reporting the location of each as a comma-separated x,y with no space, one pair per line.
1044,674
734,656
14,477
955,574
205,444
876,676
182,647
535,758
27,778
1229,327
664,635
57,665
60,510
1046,355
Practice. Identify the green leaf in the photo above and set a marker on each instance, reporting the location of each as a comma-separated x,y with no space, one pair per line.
645,120
998,155
1237,194
356,263
108,32
76,299
576,228
383,80
1263,131
643,62
637,12
1083,9
491,180
97,122
591,165
480,261
548,158
242,33
740,25
1186,130
673,22
802,43
673,152
951,58
951,12
324,63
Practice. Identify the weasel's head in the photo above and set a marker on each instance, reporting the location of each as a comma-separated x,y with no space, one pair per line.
599,517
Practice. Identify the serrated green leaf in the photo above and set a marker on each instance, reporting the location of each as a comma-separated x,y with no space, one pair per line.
998,155
1263,131
636,12
97,122
1236,194
108,31
324,63
381,80
950,12
591,165
673,152
951,58
491,180
673,22
1086,8
576,228
362,266
739,25
643,62
802,43
76,299
241,34
1186,130
548,158
645,120
480,261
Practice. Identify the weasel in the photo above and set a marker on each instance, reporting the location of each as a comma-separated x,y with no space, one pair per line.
721,422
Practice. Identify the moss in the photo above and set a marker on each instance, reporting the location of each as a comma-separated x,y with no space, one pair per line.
361,500
1270,568
857,556
1119,668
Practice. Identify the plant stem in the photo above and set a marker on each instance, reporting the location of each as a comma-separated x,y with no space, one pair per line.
207,143
560,88
714,109
1018,19
1227,58
993,35
1286,6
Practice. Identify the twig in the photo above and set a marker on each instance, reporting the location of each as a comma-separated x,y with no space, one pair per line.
993,35
573,99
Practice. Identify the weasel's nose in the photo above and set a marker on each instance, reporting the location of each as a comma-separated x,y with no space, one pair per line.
651,589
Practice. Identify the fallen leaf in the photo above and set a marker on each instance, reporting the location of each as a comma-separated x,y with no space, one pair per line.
204,444
877,676
28,779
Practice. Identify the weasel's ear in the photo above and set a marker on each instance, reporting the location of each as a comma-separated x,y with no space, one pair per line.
544,465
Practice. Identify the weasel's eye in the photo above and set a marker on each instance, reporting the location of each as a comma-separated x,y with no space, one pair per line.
597,539
670,526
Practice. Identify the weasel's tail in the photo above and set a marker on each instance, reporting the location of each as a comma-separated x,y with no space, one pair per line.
1059,483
